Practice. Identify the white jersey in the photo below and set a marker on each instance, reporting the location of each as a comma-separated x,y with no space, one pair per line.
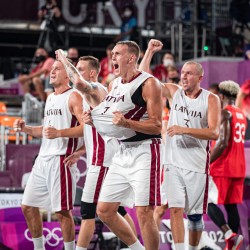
58,115
185,151
99,151
127,99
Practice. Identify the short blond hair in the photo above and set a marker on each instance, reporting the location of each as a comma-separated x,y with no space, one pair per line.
199,67
229,88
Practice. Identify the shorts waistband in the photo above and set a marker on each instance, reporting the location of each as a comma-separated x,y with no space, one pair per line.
143,142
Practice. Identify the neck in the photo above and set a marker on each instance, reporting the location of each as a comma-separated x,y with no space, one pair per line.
129,76
61,89
193,94
228,102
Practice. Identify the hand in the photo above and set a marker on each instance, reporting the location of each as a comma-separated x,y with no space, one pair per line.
175,130
60,54
155,45
119,119
19,125
51,132
86,118
72,159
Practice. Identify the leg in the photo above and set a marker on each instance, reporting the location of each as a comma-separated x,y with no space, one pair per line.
131,223
217,217
233,217
159,213
177,224
86,232
88,212
38,83
149,230
67,225
34,220
195,226
107,212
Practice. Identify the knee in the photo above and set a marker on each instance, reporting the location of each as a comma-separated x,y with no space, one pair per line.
176,211
195,222
26,210
159,212
88,210
144,213
105,212
64,214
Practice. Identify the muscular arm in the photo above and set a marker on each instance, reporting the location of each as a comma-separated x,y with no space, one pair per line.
151,93
153,47
214,118
225,132
73,74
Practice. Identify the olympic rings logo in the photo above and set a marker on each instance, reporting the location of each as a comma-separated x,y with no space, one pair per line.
51,237
78,173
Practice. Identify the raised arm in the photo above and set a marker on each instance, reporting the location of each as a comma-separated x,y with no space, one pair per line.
153,47
73,74
151,93
225,132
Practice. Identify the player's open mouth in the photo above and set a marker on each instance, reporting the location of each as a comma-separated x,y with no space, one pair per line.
116,66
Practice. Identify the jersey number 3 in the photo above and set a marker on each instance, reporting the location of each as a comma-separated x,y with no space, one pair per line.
240,130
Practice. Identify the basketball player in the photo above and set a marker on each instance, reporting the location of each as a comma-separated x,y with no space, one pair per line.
194,120
52,184
99,153
228,166
131,112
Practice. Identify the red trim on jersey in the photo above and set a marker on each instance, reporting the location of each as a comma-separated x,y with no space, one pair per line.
101,176
136,113
72,142
155,197
66,186
132,79
98,148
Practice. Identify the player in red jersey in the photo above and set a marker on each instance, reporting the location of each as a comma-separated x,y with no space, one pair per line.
228,167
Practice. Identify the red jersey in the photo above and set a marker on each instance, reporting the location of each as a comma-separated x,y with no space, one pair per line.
232,161
161,73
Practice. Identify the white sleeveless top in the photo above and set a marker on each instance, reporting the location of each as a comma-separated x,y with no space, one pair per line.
184,151
58,115
120,99
99,150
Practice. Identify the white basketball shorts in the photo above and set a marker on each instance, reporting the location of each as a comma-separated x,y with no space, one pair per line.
186,189
93,183
134,174
51,185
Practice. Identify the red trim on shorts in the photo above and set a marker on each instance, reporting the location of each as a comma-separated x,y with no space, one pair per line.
205,201
101,176
98,148
72,142
66,186
155,197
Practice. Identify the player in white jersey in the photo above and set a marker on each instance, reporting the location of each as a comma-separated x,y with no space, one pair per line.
194,120
52,184
99,153
131,112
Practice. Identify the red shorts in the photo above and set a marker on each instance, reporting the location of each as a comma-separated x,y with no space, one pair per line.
225,190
